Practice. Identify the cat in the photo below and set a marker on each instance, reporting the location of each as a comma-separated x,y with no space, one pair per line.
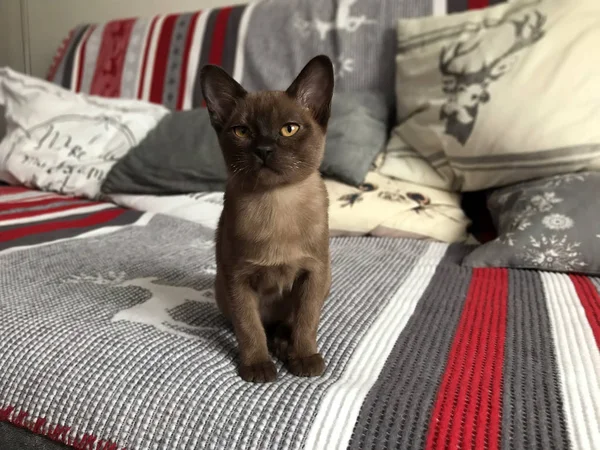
272,241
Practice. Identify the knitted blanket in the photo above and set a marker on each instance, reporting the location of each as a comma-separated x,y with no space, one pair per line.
111,340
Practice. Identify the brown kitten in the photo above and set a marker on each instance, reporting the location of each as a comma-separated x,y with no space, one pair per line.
272,242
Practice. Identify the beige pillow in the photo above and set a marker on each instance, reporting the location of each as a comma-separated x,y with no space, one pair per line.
400,161
499,95
382,206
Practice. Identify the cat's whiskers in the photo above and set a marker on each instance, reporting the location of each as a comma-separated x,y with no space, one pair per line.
255,184
238,168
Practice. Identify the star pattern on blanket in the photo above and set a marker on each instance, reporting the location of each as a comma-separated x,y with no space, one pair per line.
177,310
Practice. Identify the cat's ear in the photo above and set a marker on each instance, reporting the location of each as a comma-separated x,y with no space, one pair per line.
313,88
221,92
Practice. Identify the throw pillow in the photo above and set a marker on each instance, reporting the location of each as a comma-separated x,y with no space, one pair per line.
401,162
182,155
382,206
65,142
379,207
356,134
503,94
547,224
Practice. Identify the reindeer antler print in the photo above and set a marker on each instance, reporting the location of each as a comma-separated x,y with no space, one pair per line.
467,90
450,54
527,32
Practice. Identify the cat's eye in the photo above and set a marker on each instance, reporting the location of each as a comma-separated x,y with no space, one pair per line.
241,131
289,129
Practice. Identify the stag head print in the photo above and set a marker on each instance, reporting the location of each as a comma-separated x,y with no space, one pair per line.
466,90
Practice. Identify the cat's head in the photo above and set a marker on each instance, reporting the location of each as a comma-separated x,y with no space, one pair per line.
271,138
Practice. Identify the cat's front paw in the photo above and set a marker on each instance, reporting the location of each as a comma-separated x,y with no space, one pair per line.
262,372
308,366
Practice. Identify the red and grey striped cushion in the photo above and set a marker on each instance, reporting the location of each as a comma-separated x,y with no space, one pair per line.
158,59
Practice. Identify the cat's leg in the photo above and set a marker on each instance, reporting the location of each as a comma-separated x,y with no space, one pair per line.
279,336
256,364
279,329
310,290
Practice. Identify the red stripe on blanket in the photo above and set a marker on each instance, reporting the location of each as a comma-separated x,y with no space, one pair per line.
111,58
9,190
478,4
59,55
590,300
145,60
467,412
82,58
29,204
162,58
218,37
186,59
39,212
92,219
56,432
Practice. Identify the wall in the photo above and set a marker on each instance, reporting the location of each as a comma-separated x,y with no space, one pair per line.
46,22
12,52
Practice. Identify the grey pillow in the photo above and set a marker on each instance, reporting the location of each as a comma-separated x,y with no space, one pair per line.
182,155
547,224
356,134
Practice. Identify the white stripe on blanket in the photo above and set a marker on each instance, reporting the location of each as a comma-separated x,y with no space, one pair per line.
69,212
193,57
439,7
578,360
240,49
339,410
149,70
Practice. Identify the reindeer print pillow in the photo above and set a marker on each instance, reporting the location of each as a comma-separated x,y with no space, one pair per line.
501,95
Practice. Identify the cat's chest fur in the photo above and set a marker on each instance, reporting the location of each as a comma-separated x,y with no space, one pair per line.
280,227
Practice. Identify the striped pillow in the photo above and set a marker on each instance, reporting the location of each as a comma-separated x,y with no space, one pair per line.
262,44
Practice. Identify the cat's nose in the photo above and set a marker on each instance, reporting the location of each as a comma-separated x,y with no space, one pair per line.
263,152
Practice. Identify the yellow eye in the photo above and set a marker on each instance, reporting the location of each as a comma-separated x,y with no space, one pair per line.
241,131
289,129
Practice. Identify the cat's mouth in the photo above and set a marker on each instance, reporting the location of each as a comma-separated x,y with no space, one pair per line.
266,168
270,169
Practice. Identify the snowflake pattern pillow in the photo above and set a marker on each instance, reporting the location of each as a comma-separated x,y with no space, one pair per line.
548,224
